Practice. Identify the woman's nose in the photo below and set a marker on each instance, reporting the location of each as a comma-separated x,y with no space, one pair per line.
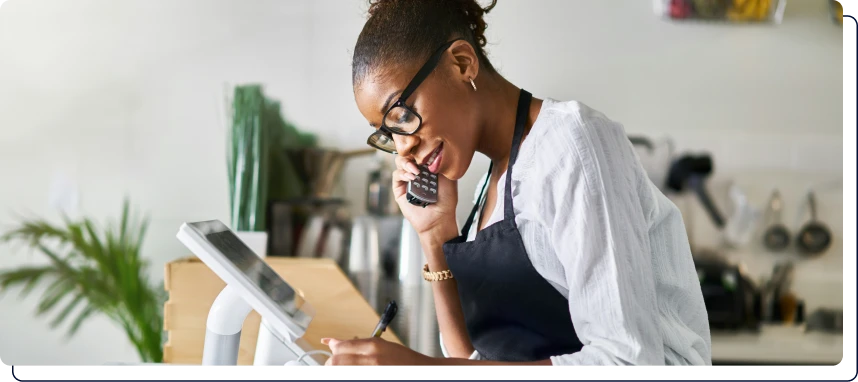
405,144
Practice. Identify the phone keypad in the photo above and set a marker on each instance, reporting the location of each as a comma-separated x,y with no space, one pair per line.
423,190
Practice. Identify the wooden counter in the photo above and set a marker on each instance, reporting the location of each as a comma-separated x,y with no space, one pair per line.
341,311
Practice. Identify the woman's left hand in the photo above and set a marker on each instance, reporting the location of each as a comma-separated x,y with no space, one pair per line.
373,351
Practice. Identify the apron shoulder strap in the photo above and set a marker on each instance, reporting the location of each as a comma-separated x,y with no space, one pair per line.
470,221
522,112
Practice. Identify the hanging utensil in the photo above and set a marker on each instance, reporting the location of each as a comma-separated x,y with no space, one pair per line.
777,236
690,172
741,223
815,237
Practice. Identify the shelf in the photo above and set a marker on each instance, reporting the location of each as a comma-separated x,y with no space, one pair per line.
726,11
777,345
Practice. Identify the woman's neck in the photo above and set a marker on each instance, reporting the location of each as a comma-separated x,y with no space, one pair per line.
499,105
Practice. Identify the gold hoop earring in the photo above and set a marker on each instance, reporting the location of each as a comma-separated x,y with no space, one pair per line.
473,84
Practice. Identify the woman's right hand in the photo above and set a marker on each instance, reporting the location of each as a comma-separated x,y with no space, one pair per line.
436,223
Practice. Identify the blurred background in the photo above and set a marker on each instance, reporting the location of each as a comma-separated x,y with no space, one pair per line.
145,100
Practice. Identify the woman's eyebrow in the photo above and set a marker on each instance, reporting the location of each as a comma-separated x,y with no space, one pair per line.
387,101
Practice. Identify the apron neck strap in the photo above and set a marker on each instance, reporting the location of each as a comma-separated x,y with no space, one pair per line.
520,121
467,229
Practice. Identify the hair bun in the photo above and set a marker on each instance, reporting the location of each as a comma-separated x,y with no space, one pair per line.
401,30
474,13
375,5
472,10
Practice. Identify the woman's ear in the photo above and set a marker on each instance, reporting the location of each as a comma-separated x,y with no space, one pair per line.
465,60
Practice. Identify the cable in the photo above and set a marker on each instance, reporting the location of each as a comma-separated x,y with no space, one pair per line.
298,361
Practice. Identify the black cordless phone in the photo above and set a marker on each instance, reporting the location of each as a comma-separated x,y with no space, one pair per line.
423,191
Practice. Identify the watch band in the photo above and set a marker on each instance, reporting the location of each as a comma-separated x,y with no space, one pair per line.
436,276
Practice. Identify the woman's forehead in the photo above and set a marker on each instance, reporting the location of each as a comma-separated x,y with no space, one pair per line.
376,92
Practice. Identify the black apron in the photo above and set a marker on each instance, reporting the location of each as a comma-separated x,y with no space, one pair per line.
511,312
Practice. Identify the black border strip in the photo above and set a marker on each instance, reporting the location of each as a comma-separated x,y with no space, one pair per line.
243,374
782,372
849,34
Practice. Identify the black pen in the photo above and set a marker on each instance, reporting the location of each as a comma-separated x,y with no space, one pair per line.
386,317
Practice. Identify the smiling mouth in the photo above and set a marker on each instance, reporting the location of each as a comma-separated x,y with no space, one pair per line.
430,160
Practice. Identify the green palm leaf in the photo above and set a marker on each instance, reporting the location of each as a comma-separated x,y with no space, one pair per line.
92,271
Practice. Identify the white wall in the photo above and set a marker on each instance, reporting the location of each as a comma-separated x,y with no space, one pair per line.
122,97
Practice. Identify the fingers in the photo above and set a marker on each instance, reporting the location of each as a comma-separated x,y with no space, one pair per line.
400,181
403,176
407,165
360,346
352,352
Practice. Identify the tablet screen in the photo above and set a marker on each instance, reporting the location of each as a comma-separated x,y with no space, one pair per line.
254,269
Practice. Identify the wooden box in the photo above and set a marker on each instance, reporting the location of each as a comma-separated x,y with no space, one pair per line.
341,311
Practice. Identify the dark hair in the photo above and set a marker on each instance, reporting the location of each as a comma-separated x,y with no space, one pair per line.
409,30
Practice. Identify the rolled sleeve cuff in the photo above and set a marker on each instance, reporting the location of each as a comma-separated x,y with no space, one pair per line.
475,355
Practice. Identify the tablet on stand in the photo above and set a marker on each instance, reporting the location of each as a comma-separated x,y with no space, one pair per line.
250,285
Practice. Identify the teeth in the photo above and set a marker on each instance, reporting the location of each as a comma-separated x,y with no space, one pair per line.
432,158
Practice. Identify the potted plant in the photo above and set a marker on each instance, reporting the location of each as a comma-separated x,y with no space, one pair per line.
92,271
258,168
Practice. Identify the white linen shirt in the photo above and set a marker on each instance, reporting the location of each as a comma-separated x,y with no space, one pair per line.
599,231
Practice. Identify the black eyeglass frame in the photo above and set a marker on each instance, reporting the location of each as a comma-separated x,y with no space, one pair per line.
418,79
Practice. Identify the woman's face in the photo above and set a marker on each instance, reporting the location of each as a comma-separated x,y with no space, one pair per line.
449,129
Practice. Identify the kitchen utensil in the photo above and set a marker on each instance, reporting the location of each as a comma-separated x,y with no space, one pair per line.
655,156
319,168
333,162
333,243
776,287
364,261
825,320
379,193
690,172
289,221
777,236
310,237
732,301
642,141
781,304
741,224
815,237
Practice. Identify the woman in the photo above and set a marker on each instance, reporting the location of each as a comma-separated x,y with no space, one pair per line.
571,255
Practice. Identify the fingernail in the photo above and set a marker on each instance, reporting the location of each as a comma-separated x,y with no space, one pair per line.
410,176
325,341
413,168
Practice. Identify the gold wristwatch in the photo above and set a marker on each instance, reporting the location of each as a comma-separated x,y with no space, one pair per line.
436,276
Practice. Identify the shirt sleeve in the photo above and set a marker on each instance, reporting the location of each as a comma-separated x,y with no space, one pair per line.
600,236
475,355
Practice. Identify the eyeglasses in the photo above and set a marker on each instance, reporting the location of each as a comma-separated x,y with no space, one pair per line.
401,119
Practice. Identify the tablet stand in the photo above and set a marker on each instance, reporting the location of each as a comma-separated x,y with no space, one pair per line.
223,335
223,328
